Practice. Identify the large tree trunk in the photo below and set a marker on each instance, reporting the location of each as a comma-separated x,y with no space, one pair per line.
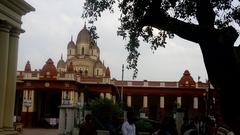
219,57
222,67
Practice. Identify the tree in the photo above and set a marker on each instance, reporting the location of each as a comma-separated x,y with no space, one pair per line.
210,23
106,114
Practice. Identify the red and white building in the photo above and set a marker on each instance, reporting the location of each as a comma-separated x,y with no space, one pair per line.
83,76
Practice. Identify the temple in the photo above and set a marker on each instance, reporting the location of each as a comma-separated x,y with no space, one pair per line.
83,76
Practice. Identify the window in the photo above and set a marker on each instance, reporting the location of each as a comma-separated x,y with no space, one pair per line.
86,73
82,51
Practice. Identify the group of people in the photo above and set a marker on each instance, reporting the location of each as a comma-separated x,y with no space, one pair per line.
167,127
197,126
88,127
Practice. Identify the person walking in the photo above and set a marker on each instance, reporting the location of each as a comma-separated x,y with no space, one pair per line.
128,127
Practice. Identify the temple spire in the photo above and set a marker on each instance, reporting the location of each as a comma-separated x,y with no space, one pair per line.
28,67
61,56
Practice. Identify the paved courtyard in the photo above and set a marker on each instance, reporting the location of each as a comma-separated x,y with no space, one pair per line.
39,131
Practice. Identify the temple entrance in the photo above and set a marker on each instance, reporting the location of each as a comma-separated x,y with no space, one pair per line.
154,107
47,111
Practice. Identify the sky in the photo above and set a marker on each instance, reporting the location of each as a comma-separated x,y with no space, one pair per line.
49,29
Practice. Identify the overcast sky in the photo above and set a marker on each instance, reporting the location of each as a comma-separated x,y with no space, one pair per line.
49,29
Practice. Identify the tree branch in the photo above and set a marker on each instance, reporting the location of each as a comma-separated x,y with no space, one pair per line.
205,14
184,30
158,18
196,33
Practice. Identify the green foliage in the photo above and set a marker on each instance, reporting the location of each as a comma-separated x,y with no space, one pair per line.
104,111
144,125
135,16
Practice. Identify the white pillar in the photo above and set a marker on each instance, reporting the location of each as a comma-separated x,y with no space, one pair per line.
162,102
66,97
101,95
70,120
179,102
71,95
108,96
195,103
75,97
129,101
145,101
62,122
82,99
4,46
31,98
114,99
11,79
63,94
25,97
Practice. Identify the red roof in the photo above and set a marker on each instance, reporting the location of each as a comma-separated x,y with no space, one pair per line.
49,70
187,81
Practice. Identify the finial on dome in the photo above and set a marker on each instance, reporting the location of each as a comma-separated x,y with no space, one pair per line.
71,38
61,56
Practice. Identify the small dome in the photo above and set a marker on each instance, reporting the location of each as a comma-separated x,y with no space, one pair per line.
84,36
61,63
49,70
71,44
27,67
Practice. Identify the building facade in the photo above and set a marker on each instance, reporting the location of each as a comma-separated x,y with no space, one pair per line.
11,12
83,77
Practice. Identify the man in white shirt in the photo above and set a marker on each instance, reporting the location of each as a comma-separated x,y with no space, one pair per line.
128,127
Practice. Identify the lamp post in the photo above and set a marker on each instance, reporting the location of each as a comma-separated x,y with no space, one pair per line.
206,97
205,102
122,83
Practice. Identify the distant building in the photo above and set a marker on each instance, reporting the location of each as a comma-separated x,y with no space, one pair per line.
83,58
83,76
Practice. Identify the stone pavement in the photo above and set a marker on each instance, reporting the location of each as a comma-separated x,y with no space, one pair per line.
39,131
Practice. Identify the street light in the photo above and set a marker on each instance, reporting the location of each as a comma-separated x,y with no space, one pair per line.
122,83
205,101
206,97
